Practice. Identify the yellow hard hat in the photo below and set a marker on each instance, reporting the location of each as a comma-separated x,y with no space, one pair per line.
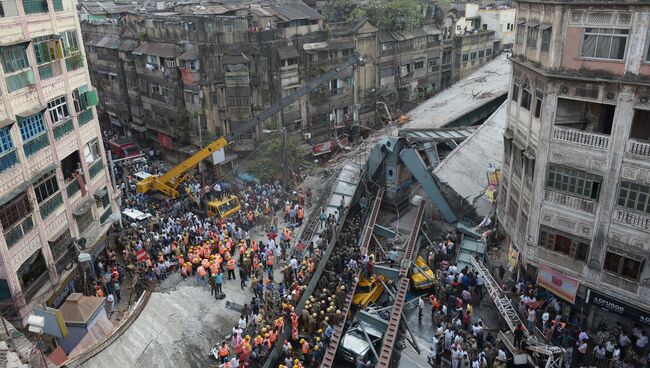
302,341
315,347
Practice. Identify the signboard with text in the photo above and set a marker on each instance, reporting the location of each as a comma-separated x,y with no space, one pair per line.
559,284
612,305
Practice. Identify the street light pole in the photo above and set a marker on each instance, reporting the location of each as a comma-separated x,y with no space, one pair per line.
201,165
284,158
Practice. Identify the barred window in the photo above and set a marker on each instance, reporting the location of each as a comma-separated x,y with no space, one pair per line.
465,57
515,90
58,109
531,40
604,43
14,58
6,143
519,37
15,210
32,126
629,268
634,196
539,97
546,39
572,181
525,96
46,186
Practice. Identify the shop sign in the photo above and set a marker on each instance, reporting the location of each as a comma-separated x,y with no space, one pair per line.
165,140
612,305
554,281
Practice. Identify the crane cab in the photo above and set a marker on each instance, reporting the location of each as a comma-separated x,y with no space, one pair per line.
225,208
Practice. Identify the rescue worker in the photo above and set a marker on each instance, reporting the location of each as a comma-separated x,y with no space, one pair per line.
231,268
224,352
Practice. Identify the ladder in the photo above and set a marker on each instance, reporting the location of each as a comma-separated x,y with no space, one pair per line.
509,314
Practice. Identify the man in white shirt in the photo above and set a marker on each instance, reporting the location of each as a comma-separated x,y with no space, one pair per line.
545,317
641,342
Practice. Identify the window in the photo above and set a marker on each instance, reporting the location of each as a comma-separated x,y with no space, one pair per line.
531,39
634,196
239,101
525,96
46,186
152,59
481,54
32,126
155,89
564,243
572,181
624,266
539,97
433,62
14,58
473,56
515,90
647,47
15,210
70,43
58,109
192,65
61,245
465,57
92,151
8,8
519,37
191,98
604,43
6,144
419,65
510,26
488,52
546,39
386,72
46,49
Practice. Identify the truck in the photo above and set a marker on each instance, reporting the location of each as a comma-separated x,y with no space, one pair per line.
123,148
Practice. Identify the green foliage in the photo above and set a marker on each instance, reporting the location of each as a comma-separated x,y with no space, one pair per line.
393,15
267,159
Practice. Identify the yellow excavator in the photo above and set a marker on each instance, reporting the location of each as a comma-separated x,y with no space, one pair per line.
169,182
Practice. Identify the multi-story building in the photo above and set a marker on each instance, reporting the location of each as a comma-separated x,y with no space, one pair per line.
497,18
54,184
212,66
575,194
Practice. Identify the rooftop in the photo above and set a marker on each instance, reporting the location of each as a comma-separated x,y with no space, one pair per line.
79,308
485,84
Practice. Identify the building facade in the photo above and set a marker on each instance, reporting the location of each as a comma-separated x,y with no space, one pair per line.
193,72
575,194
54,183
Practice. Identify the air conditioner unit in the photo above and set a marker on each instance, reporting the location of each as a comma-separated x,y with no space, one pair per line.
307,136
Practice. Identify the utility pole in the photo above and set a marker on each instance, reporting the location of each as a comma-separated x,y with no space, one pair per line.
201,164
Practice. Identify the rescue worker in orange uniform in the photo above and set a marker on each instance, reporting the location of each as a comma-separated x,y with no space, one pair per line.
231,268
224,352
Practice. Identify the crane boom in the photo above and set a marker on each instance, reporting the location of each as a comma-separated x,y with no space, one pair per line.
169,182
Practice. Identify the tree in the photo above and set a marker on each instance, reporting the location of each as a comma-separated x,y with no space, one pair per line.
391,15
267,163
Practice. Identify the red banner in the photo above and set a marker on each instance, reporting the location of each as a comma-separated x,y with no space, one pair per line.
165,140
554,281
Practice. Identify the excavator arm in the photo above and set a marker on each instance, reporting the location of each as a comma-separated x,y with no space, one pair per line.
169,182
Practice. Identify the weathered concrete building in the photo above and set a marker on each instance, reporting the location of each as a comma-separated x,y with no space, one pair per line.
197,70
575,193
54,183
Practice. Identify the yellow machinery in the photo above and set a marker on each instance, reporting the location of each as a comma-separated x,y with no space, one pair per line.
421,275
224,208
169,182
368,290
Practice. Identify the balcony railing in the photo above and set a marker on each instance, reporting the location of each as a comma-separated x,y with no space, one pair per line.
47,207
8,160
63,129
570,201
16,233
595,140
73,63
96,168
104,217
632,219
49,70
20,80
36,144
85,117
638,148
35,6
72,188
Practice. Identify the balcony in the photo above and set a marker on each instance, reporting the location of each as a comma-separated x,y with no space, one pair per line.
637,148
85,117
105,216
72,188
74,62
20,80
16,233
36,145
576,203
594,140
96,168
619,282
8,161
631,219
49,206
63,129
35,6
50,70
